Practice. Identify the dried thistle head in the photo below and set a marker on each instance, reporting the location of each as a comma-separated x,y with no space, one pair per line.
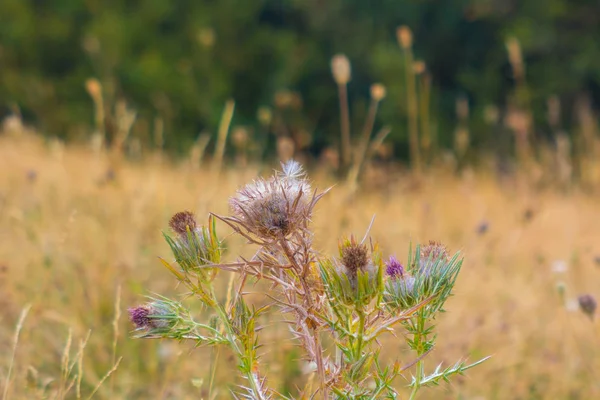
275,208
183,221
404,36
377,91
340,68
354,255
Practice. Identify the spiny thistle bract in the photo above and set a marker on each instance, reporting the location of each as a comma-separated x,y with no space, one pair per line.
355,298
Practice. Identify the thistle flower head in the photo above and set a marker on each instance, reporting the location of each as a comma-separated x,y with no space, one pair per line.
155,315
355,256
393,268
356,277
182,221
139,316
430,254
434,250
588,304
274,208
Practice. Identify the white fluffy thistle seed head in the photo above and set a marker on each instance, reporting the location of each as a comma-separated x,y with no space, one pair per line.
276,207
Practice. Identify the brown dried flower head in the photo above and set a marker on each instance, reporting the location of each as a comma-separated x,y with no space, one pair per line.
340,68
404,36
182,221
355,256
274,208
377,91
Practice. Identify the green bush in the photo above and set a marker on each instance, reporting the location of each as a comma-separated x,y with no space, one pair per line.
181,61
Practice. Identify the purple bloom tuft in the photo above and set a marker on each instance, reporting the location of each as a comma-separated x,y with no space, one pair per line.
588,305
394,268
140,316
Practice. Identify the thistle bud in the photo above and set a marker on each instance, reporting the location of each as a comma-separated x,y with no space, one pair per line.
377,91
430,254
155,315
194,246
587,305
400,292
357,277
355,256
434,250
340,68
404,36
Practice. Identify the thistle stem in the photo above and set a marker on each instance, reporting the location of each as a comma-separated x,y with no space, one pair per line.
240,353
361,152
346,148
420,349
301,272
412,102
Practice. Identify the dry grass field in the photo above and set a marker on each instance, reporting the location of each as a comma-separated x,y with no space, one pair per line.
79,245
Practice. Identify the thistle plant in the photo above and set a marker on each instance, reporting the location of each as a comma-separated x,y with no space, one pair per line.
339,307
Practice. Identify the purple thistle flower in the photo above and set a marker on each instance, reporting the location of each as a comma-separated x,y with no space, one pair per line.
158,314
393,268
140,316
588,304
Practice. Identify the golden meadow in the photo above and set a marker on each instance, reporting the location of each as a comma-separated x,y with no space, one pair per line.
80,239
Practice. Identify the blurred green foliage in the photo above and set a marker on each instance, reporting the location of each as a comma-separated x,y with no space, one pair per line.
181,60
